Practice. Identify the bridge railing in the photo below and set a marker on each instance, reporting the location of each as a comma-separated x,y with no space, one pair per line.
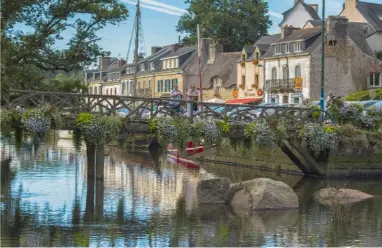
142,109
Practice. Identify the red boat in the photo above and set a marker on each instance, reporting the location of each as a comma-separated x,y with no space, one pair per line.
174,156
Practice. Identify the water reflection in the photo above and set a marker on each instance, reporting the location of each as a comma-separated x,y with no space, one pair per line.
146,201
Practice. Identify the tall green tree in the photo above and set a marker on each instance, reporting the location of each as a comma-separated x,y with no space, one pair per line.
233,23
30,29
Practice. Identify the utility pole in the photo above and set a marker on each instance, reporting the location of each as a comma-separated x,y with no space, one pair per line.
322,100
200,72
138,21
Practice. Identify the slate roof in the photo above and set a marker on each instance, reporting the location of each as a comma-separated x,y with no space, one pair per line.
301,34
307,7
181,51
249,50
372,12
268,39
315,23
310,34
355,32
224,67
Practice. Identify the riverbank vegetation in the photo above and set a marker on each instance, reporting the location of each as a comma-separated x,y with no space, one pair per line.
363,95
352,126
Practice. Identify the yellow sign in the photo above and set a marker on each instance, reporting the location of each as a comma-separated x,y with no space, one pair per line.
299,83
235,94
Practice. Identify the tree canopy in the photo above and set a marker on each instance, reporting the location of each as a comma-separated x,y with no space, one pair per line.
30,29
233,23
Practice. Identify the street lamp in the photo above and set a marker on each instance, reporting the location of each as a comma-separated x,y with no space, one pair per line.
322,100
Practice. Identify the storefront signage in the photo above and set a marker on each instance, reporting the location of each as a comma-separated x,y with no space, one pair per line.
250,92
299,83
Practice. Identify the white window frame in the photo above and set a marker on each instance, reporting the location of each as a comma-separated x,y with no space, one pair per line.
168,64
298,47
142,66
164,64
287,48
152,66
278,49
373,79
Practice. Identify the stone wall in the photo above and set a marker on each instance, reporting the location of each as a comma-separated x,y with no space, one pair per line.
355,162
347,69
271,159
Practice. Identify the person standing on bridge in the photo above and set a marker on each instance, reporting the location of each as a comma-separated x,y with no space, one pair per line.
176,95
193,95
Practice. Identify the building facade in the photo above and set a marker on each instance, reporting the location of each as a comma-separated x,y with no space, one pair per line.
299,14
369,14
293,63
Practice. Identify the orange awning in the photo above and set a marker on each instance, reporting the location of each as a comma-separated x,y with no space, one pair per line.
244,100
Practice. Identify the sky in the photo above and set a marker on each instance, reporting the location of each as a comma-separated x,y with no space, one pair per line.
160,17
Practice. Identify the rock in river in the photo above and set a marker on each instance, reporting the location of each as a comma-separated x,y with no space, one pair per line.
212,190
332,196
263,194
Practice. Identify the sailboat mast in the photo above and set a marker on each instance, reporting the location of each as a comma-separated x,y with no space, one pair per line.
137,23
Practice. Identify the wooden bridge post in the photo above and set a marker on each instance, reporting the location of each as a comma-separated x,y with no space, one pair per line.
100,162
90,154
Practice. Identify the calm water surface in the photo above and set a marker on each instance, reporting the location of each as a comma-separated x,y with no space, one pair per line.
147,201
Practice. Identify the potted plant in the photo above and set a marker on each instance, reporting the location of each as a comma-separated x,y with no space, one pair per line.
255,62
242,86
254,86
242,63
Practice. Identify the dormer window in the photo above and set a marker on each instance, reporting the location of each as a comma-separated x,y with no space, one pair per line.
287,48
298,46
278,49
152,66
142,66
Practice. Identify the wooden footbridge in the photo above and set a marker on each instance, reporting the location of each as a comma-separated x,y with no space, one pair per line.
138,111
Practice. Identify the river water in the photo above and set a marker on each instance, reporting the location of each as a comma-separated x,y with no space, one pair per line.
145,200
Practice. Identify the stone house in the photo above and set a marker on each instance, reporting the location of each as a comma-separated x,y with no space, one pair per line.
369,14
293,64
218,71
299,14
250,70
171,68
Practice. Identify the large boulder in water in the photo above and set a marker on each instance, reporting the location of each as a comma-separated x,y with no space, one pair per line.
212,190
333,196
263,194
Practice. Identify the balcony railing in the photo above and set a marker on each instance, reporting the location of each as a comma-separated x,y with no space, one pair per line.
280,84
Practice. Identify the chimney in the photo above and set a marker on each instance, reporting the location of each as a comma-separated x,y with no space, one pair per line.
215,48
122,62
287,30
155,49
337,26
314,6
104,61
351,4
175,47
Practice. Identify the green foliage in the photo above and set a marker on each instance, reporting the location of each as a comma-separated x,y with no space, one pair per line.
317,113
379,55
6,121
231,23
350,135
319,139
30,60
223,126
363,95
261,134
97,130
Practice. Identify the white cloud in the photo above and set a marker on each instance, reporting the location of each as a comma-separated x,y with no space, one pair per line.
275,14
161,9
163,5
